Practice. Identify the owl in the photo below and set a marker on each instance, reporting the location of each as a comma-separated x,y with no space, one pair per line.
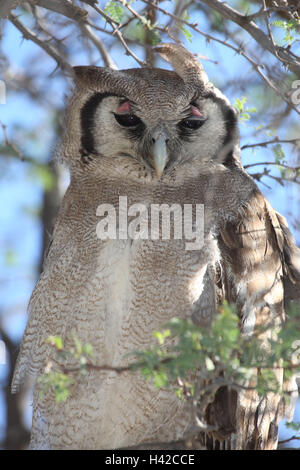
169,140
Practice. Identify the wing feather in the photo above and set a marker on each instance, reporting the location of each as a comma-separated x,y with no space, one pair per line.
259,257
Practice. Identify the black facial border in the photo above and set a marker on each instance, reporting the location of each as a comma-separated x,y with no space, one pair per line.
87,120
230,120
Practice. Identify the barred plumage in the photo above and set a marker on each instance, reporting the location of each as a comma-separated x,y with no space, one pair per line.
182,147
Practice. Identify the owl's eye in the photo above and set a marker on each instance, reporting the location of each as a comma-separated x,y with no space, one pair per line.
127,120
192,123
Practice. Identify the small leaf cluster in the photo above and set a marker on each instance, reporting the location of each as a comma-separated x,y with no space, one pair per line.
290,28
59,382
138,29
184,28
57,377
184,351
115,11
222,349
244,113
295,426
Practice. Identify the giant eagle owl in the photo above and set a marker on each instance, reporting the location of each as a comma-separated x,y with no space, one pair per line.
154,137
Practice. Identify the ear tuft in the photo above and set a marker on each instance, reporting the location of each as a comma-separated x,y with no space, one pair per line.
184,63
85,72
78,70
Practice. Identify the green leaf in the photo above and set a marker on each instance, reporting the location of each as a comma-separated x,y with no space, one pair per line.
160,378
291,29
294,425
11,257
252,110
243,112
55,341
278,153
161,336
61,394
154,37
135,31
245,116
188,35
266,382
278,23
179,393
62,383
58,382
78,345
219,347
239,104
88,349
114,10
45,175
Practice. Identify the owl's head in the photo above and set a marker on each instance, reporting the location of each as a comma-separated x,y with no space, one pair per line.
155,120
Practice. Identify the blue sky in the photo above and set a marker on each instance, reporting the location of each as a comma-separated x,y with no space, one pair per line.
21,191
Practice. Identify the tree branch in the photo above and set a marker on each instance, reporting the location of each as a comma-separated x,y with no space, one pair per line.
279,180
119,35
79,16
289,439
48,48
108,62
270,142
262,12
283,165
10,144
263,40
8,5
240,51
62,7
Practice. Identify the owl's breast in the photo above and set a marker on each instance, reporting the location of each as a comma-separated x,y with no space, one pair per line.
140,286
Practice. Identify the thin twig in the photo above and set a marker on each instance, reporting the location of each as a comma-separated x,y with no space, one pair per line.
260,37
63,7
10,144
258,14
118,33
17,152
270,142
240,51
295,168
262,12
90,366
78,15
267,21
279,180
108,61
289,439
47,47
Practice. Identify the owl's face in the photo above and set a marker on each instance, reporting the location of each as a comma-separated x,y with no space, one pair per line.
160,139
153,119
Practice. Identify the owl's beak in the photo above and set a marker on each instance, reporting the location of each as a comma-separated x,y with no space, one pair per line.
159,154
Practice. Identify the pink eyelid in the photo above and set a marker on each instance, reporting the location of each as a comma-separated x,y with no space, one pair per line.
195,111
124,108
